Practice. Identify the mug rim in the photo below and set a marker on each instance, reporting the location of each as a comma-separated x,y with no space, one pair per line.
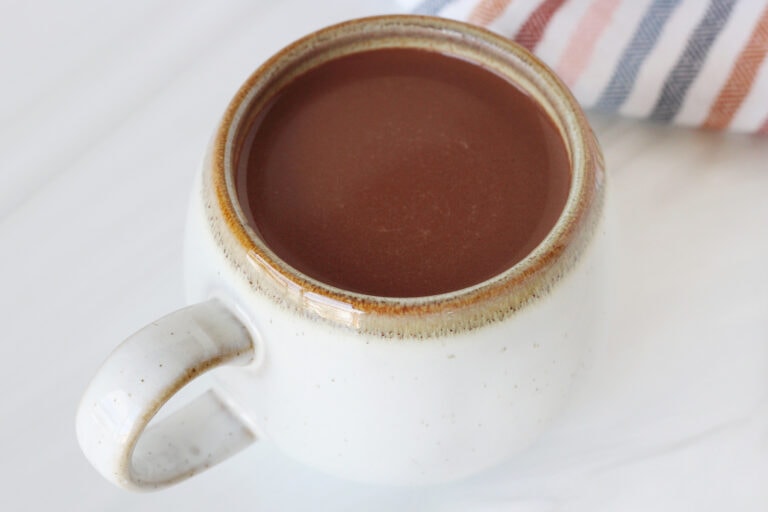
486,302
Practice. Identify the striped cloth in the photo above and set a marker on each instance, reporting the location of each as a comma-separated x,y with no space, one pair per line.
690,62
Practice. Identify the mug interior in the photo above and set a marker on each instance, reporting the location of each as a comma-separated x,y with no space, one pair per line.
471,307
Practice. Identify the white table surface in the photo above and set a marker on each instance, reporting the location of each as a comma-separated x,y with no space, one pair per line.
105,109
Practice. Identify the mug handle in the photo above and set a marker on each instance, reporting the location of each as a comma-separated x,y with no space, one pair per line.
140,376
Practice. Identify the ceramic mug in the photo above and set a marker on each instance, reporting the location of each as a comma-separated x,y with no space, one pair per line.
388,390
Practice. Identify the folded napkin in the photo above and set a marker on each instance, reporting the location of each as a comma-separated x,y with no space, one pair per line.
690,62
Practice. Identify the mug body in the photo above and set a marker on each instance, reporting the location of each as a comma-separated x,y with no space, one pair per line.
402,391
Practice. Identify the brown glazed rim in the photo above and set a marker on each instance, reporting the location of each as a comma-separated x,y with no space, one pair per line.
417,317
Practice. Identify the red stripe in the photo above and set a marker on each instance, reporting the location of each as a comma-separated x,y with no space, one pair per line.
487,11
764,128
741,78
577,54
530,33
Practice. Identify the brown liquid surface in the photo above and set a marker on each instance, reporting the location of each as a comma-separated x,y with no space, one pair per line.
402,173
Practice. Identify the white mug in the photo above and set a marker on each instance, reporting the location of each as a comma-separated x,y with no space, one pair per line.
387,390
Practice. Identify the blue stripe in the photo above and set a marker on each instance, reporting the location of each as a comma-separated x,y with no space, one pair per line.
430,6
688,66
643,41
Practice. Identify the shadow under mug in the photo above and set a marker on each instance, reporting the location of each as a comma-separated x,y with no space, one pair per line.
387,390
